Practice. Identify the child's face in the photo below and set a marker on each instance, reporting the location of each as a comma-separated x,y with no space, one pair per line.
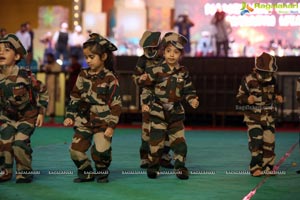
8,56
172,55
93,60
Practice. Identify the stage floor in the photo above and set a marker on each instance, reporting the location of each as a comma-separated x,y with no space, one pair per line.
217,159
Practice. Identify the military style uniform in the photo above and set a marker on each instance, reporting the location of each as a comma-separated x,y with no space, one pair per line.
167,113
94,106
22,98
260,116
142,64
150,58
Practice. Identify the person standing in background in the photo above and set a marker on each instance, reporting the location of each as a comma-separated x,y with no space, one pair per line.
76,40
52,68
24,36
31,33
184,24
46,40
60,42
222,31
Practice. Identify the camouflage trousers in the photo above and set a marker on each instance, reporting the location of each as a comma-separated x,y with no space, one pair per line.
168,123
261,143
144,148
100,152
15,145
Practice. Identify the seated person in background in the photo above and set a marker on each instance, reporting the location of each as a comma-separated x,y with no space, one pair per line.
29,62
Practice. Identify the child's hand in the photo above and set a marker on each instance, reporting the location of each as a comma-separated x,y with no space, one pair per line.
279,98
251,99
143,77
68,122
195,103
40,120
109,132
145,108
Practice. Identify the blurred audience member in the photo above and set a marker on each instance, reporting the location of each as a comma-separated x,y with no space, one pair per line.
47,41
184,24
31,33
29,62
249,50
76,40
24,36
3,32
223,29
60,43
205,46
52,68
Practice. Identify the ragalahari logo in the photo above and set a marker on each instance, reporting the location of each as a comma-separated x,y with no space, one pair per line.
246,8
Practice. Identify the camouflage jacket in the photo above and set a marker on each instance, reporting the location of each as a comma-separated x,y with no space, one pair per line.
21,91
263,111
171,86
142,64
95,100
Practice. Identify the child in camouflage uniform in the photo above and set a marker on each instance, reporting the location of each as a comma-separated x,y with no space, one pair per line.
150,44
23,101
172,84
257,97
94,110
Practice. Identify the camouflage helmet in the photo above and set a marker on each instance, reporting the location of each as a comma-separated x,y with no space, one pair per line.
176,39
15,42
97,38
265,62
150,39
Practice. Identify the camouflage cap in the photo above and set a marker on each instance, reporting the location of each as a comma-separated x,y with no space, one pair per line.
266,62
15,42
95,37
176,39
150,39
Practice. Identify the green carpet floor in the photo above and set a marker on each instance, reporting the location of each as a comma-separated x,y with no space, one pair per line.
212,157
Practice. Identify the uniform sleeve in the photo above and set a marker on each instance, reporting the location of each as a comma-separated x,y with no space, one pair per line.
139,70
114,102
189,92
42,96
243,92
147,93
146,96
151,76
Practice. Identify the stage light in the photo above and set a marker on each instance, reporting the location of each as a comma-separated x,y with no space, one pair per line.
76,12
